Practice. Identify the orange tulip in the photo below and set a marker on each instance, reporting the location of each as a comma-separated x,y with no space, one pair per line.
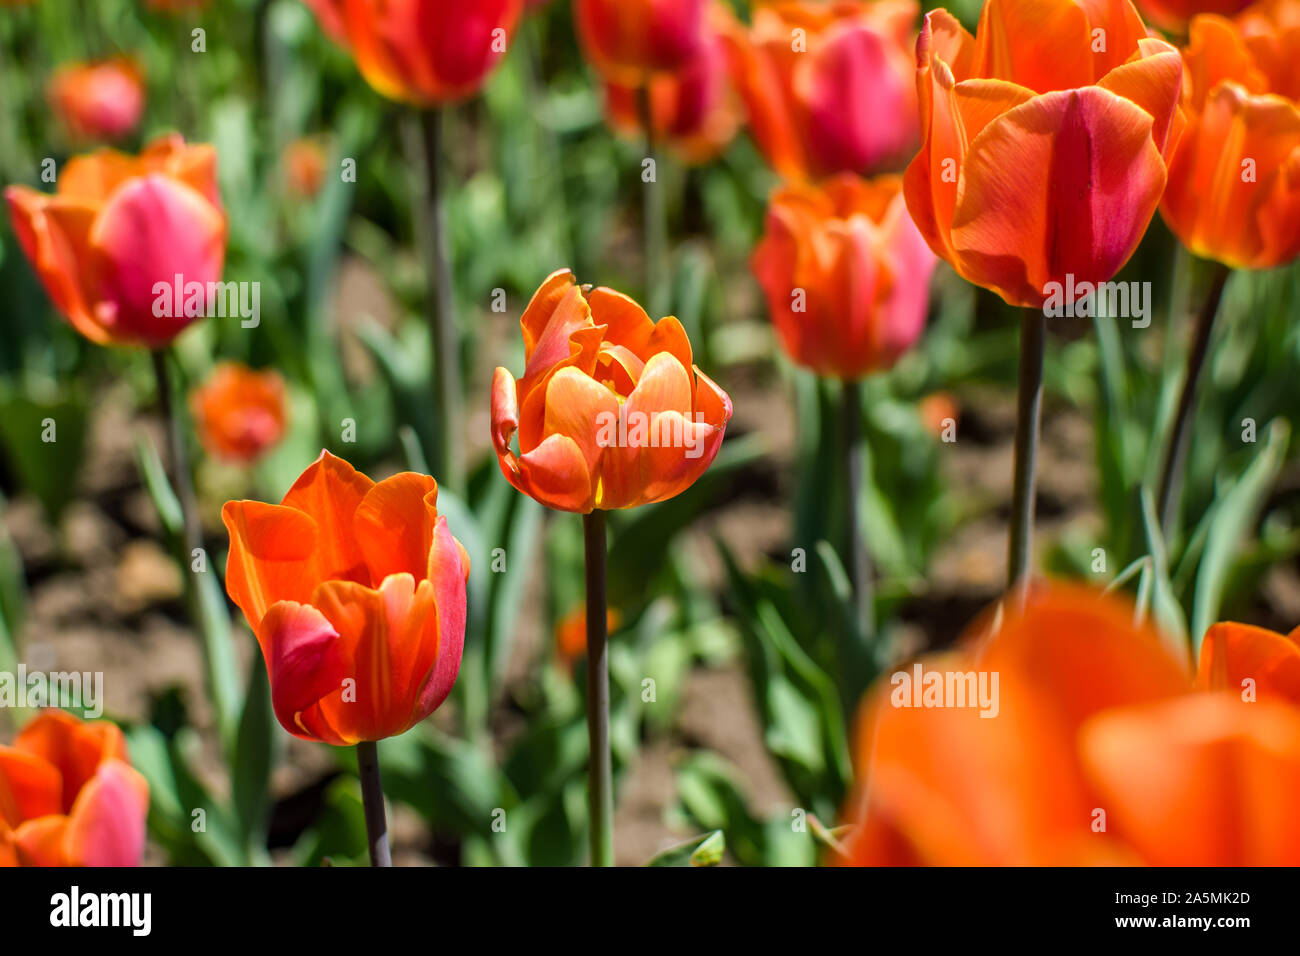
1233,654
1045,140
424,52
304,162
69,796
693,109
1234,182
239,413
571,633
830,87
356,592
610,411
626,40
997,779
120,229
98,100
846,274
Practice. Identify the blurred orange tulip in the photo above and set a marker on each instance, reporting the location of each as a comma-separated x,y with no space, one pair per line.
846,274
69,796
424,52
356,592
571,633
98,100
610,412
1044,141
1173,15
1234,181
830,87
118,227
626,40
1234,654
239,413
693,109
304,161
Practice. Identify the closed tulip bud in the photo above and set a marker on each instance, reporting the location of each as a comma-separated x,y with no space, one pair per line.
239,413
694,109
1234,181
610,412
423,52
846,274
69,796
626,40
830,87
120,234
356,593
98,100
1045,140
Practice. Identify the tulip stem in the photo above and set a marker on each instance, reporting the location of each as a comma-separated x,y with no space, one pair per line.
859,558
372,798
654,213
444,337
1029,414
182,481
1171,479
600,766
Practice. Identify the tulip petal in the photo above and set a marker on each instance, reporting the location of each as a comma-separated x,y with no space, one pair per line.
1232,654
330,491
585,411
1064,184
305,661
42,842
448,573
29,787
1153,81
1040,44
272,558
555,473
106,826
394,525
1201,780
626,322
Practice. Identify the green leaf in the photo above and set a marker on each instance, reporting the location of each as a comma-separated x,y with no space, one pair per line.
254,748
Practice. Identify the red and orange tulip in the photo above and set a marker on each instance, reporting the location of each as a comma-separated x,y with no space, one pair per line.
69,796
98,100
627,40
610,412
1234,180
239,413
1045,139
356,592
117,227
845,273
830,87
693,109
1101,751
423,52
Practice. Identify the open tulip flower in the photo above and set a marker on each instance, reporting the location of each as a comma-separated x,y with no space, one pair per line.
830,87
1093,747
98,100
69,796
845,273
1234,181
422,52
628,40
239,413
356,592
610,411
120,230
1045,140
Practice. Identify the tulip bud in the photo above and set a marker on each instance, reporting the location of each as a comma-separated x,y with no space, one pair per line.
239,413
98,100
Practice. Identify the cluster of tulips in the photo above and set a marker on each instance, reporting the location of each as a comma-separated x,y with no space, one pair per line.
1034,152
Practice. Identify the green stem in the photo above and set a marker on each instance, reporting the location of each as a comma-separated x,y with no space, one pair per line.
443,331
372,799
600,766
1029,413
858,557
655,216
1171,479
178,459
